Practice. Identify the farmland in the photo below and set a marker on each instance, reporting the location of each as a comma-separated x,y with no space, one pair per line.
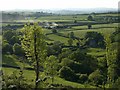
79,50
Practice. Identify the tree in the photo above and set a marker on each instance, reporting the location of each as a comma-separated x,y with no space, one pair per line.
66,73
64,54
111,61
89,26
115,35
70,41
6,47
54,31
8,35
71,35
81,60
14,39
33,42
90,18
18,50
51,65
55,49
94,39
96,78
75,21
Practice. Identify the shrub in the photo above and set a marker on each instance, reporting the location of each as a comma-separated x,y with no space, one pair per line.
6,47
66,73
15,81
96,78
17,49
83,78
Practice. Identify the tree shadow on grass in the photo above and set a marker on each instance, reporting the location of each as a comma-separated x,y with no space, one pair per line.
9,60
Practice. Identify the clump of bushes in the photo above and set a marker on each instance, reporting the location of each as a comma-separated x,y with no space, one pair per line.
66,73
15,81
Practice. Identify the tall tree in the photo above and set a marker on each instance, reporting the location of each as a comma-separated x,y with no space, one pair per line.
33,42
111,58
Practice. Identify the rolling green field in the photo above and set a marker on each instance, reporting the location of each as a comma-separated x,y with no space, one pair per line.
64,18
13,60
79,31
57,38
30,76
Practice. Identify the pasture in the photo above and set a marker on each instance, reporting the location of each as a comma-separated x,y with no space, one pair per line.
80,31
30,75
61,35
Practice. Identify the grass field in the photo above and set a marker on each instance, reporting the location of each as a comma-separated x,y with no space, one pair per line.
57,38
80,31
114,25
12,60
30,76
107,14
96,51
64,17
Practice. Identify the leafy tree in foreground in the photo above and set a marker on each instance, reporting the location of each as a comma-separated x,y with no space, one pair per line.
51,65
33,42
111,55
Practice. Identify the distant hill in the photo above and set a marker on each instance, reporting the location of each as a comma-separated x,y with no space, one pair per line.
83,11
69,10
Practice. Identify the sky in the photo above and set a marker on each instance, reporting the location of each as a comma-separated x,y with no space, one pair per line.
56,4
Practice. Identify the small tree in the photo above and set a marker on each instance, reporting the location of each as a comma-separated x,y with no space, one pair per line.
8,35
70,41
89,26
51,67
90,18
6,47
75,21
96,78
54,31
66,73
71,35
33,42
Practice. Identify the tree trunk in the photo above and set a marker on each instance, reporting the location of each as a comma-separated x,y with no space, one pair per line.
37,62
37,75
